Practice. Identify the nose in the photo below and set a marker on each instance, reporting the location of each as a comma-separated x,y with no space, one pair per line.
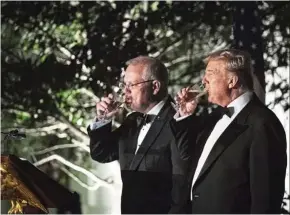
126,89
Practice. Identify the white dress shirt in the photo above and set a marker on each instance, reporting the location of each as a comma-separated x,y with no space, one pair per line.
238,104
145,128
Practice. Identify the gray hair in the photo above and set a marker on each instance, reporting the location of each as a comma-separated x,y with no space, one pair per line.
238,62
154,70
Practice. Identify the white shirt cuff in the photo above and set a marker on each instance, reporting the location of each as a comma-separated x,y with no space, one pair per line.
95,125
178,118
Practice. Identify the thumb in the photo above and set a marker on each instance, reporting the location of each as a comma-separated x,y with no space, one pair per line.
112,113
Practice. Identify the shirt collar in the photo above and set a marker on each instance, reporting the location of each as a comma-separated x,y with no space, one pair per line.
239,103
156,109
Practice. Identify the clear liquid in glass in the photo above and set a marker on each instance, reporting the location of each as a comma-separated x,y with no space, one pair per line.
119,102
193,93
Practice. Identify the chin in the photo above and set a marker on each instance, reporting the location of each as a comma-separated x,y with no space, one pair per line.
134,108
127,106
209,99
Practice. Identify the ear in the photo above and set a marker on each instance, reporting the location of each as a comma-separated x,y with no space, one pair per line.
156,85
233,81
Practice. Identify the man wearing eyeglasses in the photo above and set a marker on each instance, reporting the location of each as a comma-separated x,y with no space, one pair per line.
153,172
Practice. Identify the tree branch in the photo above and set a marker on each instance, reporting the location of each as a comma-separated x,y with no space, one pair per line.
74,167
62,146
173,43
76,179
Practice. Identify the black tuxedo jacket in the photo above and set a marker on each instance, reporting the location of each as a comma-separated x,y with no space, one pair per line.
154,178
245,170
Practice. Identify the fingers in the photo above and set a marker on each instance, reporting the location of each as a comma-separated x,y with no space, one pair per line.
182,94
110,96
107,100
187,108
106,106
112,113
187,105
101,108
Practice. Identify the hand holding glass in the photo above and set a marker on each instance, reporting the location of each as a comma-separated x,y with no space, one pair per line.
189,95
110,105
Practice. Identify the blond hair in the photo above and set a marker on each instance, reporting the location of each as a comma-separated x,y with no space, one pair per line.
236,61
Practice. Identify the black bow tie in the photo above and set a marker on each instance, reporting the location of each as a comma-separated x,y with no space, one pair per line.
143,119
229,111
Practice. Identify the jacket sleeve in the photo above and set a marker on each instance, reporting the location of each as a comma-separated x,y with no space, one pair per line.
181,157
267,167
185,133
104,143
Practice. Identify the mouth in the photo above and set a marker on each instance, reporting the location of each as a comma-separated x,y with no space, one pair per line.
128,100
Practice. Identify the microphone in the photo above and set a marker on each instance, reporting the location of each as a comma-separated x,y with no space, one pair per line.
15,134
13,131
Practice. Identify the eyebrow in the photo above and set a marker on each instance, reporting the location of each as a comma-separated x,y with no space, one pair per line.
211,70
128,82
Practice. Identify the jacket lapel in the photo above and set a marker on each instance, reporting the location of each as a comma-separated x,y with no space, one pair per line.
128,146
154,131
236,127
202,137
201,140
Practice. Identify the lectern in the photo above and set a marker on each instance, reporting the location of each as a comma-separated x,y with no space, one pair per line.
30,190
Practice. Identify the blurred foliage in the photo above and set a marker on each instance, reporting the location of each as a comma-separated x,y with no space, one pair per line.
58,57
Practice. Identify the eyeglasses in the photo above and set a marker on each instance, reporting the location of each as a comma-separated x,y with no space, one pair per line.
129,86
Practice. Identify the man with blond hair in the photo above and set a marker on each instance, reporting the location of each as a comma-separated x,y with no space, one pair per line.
239,160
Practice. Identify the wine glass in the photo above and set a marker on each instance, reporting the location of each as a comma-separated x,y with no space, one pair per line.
119,101
194,92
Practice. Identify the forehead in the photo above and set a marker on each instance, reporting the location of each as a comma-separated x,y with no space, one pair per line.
134,72
216,65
